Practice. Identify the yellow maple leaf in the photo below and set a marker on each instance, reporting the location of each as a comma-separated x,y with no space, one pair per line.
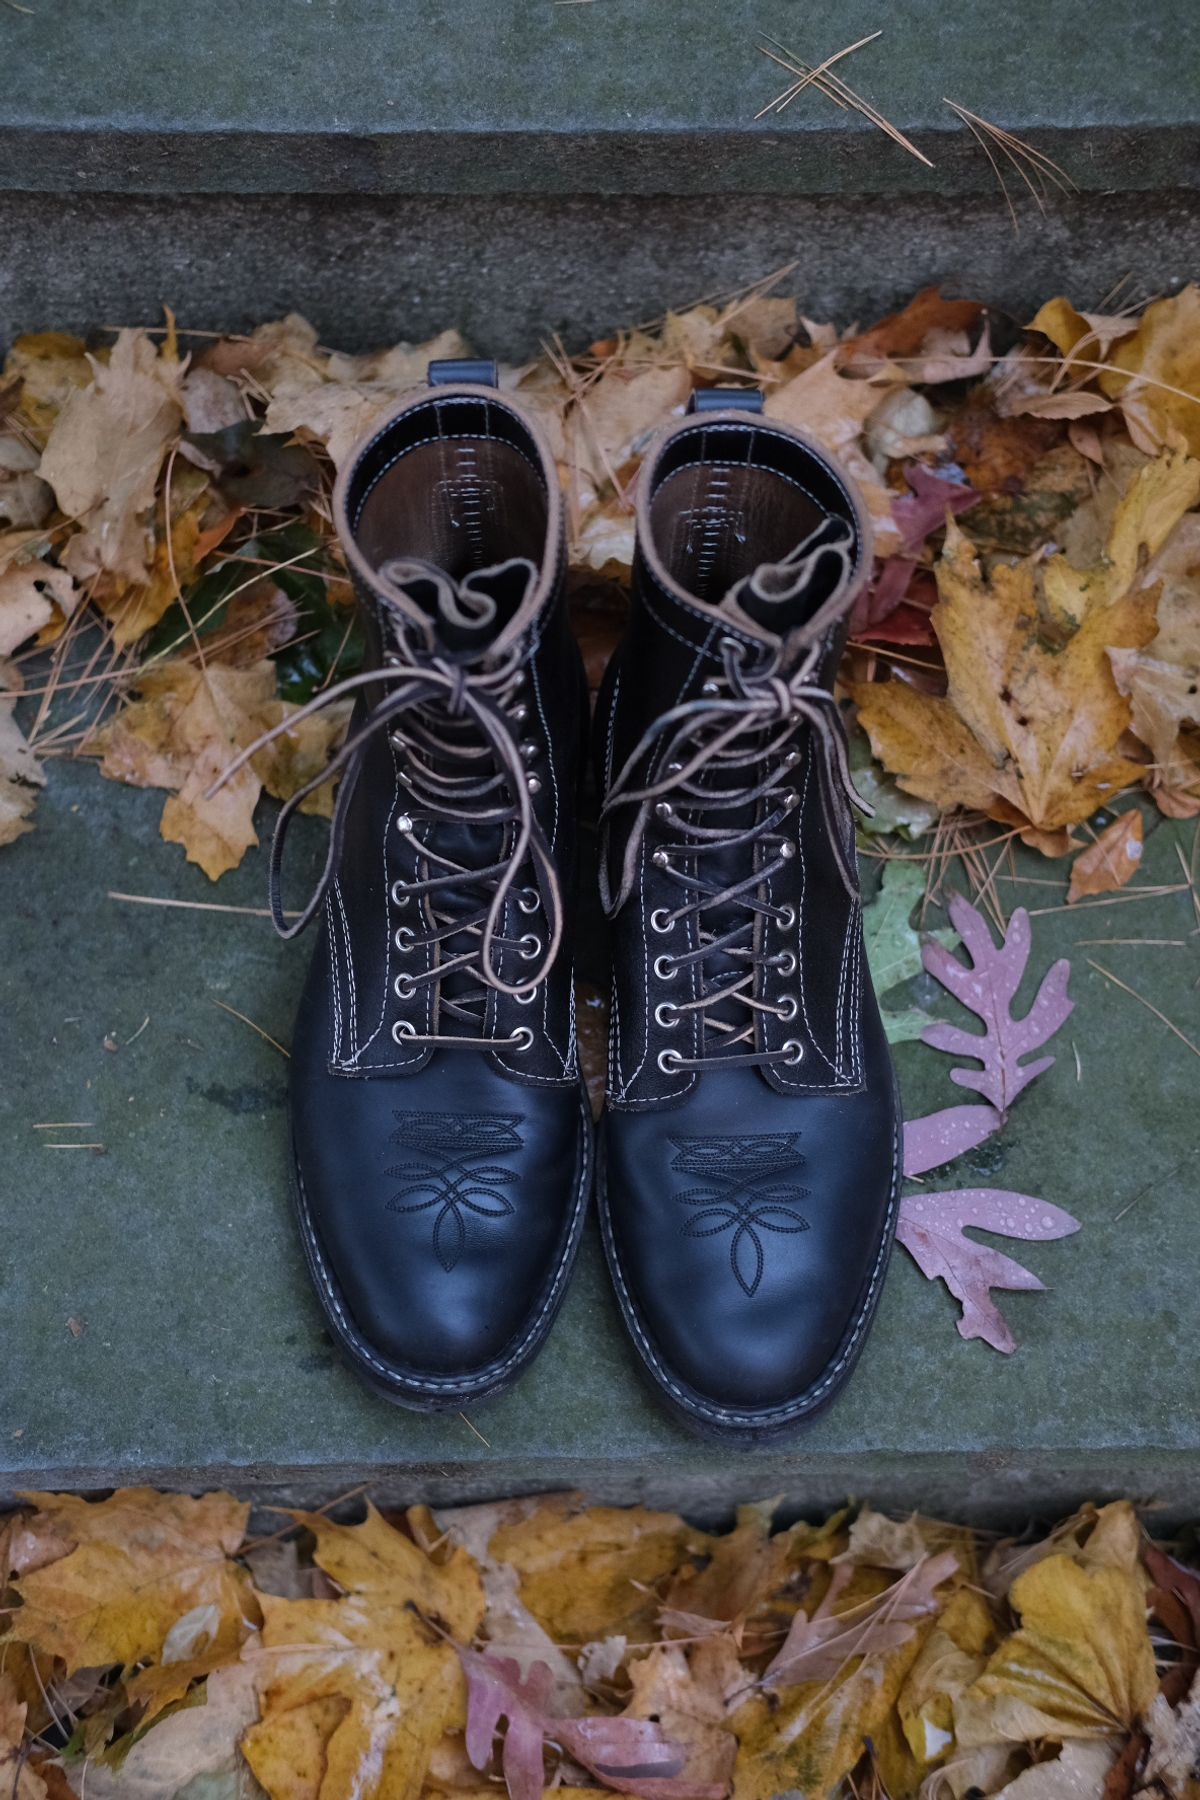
356,1692
1029,729
815,1734
184,730
1081,1664
1160,394
140,1562
589,1572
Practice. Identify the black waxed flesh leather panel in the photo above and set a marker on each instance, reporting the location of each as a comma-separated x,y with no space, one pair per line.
746,1275
445,1287
751,1136
441,1189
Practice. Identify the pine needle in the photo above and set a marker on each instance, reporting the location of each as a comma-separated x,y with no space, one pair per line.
833,87
1038,171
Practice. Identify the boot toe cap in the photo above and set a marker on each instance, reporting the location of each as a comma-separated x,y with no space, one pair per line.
439,1241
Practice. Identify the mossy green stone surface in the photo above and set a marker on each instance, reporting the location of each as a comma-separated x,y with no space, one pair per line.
158,1325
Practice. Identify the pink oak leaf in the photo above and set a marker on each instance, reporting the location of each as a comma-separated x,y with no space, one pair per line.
630,1754
931,1228
989,987
817,1648
941,1136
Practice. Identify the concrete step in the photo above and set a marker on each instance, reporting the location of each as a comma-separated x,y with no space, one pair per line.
159,1325
581,96
391,167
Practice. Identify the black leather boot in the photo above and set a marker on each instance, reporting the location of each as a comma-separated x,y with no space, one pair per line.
440,1130
750,1150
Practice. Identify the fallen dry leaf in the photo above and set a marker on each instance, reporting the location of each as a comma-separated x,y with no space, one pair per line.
18,1781
1173,1761
21,774
337,399
818,1648
192,1753
356,1692
140,1561
32,595
589,1572
1078,1772
1160,393
1080,1666
629,1754
1029,730
183,731
104,454
1111,861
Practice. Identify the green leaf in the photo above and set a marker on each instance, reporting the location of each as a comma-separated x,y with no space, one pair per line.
894,947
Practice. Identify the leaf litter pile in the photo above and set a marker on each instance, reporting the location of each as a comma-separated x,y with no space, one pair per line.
1029,648
152,1651
1024,665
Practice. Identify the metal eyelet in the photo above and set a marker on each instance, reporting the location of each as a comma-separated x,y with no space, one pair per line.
525,996
657,916
664,810
403,988
402,1029
786,851
661,1012
528,750
533,783
788,799
661,860
400,896
518,713
522,1039
787,918
404,940
710,688
791,759
786,963
666,968
787,1009
674,768
527,900
534,944
793,1051
404,823
668,1062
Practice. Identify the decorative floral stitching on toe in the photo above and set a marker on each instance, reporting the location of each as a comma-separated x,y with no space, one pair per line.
445,1149
732,1197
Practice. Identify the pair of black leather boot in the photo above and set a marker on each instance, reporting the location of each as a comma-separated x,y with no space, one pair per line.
442,1140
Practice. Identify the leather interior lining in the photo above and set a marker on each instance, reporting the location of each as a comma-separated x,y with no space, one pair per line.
461,503
715,523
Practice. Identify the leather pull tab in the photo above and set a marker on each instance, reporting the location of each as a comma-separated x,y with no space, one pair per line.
455,370
726,399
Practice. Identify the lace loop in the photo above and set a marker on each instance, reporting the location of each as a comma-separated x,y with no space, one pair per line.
472,697
726,758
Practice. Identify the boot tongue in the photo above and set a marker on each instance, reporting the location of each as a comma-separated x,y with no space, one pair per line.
783,597
466,616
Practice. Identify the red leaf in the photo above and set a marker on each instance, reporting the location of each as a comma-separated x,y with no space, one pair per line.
931,1229
630,1754
941,1136
989,987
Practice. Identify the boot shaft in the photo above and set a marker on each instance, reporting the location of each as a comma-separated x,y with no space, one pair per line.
727,840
